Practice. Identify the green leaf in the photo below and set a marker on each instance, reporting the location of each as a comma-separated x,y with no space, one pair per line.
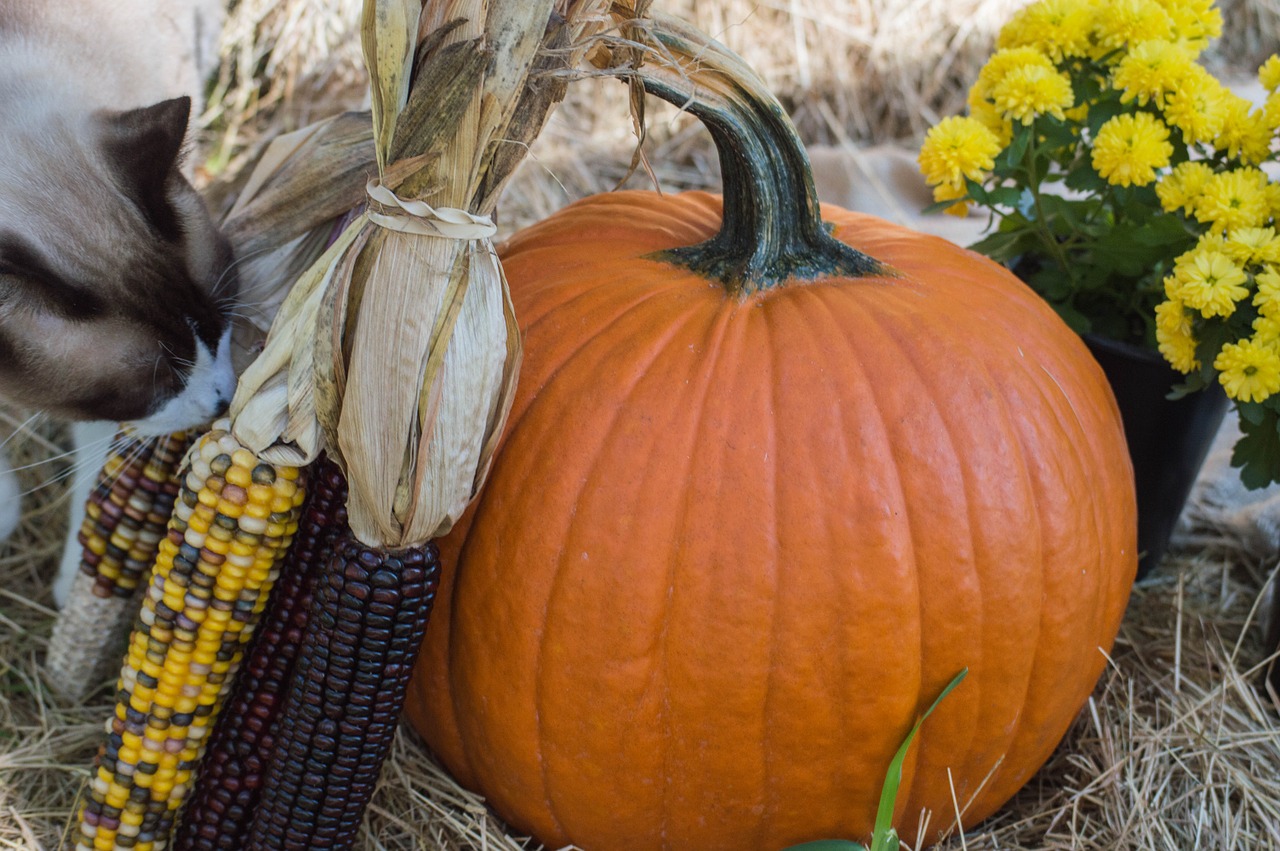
1193,383
1257,452
940,206
1055,134
1162,231
885,838
1211,338
1103,110
1083,177
1075,320
1252,413
1012,156
1004,196
1004,247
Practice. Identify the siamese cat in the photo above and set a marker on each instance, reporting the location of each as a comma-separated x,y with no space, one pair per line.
115,284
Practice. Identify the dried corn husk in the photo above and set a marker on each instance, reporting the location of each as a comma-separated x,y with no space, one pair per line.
396,349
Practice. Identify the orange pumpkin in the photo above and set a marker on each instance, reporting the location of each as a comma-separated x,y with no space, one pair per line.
751,515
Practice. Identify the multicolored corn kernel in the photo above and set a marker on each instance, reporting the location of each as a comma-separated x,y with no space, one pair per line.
231,524
222,804
125,518
126,514
366,623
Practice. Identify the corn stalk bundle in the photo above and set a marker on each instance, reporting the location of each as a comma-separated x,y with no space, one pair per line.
395,351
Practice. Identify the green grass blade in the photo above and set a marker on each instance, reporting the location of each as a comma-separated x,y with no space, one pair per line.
885,838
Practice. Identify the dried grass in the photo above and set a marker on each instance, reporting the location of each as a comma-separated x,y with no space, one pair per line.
1177,748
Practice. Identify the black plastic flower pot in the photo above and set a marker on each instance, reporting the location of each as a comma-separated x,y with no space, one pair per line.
1168,439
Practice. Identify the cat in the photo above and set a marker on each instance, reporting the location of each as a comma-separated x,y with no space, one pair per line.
116,287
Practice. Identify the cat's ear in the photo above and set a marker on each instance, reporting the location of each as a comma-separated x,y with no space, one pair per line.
144,146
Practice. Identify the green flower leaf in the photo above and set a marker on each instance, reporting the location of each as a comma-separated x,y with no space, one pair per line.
1011,157
1103,109
1257,452
1163,231
1083,177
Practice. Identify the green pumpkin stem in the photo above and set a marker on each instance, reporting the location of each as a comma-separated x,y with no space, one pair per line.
773,230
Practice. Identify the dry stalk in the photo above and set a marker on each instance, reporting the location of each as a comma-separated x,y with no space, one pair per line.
397,350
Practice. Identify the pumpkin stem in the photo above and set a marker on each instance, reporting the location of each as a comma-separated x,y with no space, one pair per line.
772,230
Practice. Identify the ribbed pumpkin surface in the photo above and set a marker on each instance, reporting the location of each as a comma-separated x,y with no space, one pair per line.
731,548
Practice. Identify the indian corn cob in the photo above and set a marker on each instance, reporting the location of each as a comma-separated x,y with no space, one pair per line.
365,627
227,788
124,522
125,517
231,524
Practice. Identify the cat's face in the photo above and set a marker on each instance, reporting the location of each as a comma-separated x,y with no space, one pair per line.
114,282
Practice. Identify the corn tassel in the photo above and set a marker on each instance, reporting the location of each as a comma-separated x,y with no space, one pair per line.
364,629
124,522
230,526
227,789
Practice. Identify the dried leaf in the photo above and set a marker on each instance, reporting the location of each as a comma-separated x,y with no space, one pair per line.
389,38
398,349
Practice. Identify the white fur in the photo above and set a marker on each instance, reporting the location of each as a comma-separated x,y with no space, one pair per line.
208,391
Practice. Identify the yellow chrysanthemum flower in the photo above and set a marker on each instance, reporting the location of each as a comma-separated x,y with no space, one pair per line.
1120,23
1179,189
1267,298
1175,337
1247,371
1271,112
1001,63
1210,282
1057,28
1253,245
1266,332
1129,149
1030,91
1233,199
955,148
1269,73
1195,22
1151,70
986,114
1244,134
1196,106
1272,191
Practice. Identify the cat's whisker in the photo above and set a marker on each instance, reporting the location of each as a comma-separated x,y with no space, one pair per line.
233,302
234,267
22,427
136,449
43,461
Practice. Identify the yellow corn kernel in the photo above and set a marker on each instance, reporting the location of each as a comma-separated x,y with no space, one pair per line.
191,631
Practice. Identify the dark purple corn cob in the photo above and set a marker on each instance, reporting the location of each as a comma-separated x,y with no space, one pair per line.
228,786
365,627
